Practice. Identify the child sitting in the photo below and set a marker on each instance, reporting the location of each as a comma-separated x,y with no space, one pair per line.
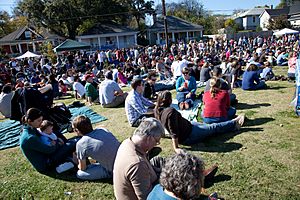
47,135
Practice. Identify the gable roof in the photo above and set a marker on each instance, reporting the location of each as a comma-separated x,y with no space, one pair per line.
253,11
175,23
107,28
295,8
277,12
14,36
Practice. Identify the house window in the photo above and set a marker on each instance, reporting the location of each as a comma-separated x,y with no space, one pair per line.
253,19
27,34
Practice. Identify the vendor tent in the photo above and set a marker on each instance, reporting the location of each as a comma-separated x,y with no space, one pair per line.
28,54
70,45
285,31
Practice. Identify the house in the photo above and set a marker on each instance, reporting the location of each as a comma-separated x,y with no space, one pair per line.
249,20
27,38
109,36
178,29
271,14
294,14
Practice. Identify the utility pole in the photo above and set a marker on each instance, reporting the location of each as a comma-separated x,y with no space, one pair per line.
165,22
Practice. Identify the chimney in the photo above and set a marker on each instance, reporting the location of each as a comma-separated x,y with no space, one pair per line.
271,6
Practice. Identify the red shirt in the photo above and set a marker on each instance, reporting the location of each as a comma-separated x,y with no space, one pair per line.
218,106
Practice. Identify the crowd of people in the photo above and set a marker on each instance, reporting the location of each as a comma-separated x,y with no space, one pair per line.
218,66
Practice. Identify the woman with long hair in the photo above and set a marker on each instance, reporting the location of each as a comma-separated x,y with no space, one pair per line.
185,132
216,103
43,157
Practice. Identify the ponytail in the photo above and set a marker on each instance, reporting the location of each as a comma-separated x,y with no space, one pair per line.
215,85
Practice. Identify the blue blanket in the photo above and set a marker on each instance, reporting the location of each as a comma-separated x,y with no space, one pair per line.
10,130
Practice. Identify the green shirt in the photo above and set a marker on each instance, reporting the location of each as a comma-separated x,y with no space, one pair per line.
91,91
34,149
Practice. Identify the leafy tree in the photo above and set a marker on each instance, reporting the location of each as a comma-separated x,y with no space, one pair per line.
279,22
9,24
138,9
232,24
64,17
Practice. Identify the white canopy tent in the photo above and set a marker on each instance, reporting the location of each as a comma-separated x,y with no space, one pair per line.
28,54
285,31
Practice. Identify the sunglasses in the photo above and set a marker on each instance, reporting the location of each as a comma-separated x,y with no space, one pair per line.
185,73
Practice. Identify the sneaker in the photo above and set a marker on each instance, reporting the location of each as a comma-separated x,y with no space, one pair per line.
64,167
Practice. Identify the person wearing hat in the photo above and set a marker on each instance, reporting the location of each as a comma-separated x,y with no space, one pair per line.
91,92
137,106
110,93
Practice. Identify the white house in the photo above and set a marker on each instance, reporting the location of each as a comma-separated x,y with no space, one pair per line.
271,14
109,36
178,29
249,20
294,14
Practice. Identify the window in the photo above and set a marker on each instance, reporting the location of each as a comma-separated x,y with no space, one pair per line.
253,19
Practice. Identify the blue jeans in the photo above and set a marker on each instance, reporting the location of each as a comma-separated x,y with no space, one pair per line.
261,85
202,131
181,97
93,172
230,115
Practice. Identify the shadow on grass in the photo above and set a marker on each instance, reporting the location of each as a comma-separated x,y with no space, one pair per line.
258,121
244,106
218,178
275,88
218,143
70,176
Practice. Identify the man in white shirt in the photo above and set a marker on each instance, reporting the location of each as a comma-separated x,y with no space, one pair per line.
110,94
78,88
177,67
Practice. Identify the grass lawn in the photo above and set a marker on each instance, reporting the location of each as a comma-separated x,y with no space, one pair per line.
259,162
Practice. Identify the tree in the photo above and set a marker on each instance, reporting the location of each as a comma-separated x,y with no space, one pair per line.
232,24
9,24
138,9
279,22
64,17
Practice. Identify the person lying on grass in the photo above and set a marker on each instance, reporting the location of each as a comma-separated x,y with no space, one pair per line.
185,132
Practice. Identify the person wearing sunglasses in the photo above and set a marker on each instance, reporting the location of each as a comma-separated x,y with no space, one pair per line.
186,88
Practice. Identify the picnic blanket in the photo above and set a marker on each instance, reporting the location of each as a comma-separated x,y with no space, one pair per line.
190,114
10,130
164,85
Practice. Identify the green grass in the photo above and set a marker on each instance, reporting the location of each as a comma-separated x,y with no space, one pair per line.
259,162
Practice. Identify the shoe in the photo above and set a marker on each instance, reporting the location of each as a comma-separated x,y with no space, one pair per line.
64,167
210,173
181,106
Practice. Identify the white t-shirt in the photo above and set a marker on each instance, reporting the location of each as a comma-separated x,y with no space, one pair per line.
79,88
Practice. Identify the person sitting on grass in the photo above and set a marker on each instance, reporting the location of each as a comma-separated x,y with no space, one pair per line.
251,79
186,88
44,158
267,72
98,144
185,132
137,107
78,88
149,90
47,135
182,177
217,103
110,93
91,92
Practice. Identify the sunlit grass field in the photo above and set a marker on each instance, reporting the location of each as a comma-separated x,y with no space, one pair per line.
261,161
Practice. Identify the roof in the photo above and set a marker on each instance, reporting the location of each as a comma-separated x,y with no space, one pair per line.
251,12
14,36
277,12
107,28
295,8
69,45
175,23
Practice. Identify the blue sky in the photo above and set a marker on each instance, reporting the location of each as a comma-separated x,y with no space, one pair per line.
223,6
